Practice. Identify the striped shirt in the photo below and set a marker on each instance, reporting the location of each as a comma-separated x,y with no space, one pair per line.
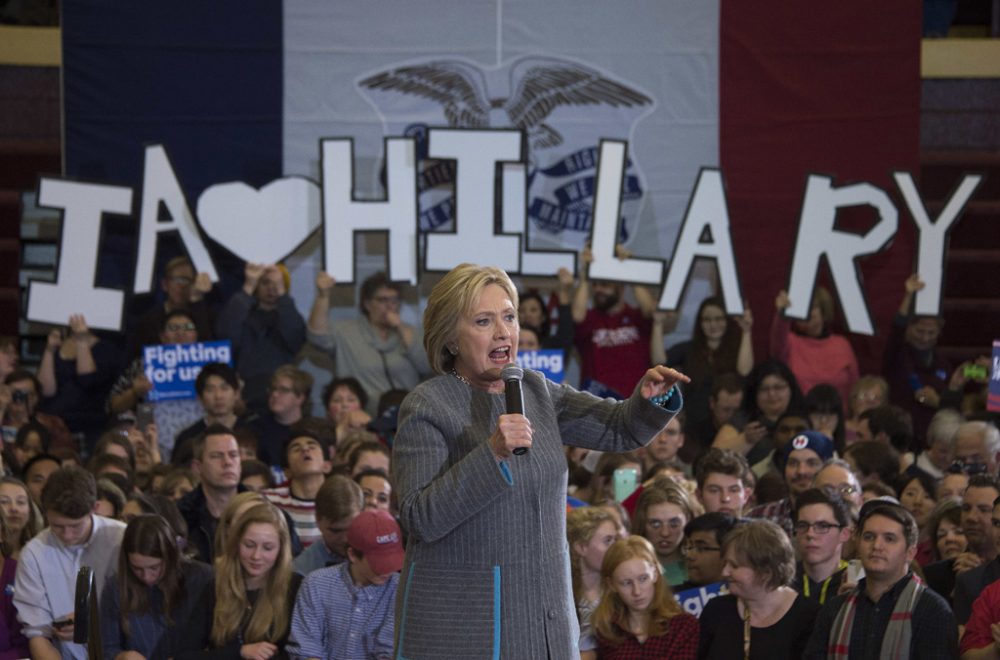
302,512
335,619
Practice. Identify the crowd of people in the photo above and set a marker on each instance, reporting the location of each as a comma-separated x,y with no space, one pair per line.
691,500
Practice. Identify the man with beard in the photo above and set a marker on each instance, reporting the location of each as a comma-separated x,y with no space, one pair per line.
803,458
612,337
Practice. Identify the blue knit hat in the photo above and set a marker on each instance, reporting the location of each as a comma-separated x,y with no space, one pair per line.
814,440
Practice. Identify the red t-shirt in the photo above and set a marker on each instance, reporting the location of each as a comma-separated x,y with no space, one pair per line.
614,348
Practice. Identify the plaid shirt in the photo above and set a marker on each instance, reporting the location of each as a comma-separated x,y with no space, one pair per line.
779,512
680,642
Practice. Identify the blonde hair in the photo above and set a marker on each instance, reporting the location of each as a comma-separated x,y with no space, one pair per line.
237,502
663,490
612,612
765,548
269,617
452,298
581,525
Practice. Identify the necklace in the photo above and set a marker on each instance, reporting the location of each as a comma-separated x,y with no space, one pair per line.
461,377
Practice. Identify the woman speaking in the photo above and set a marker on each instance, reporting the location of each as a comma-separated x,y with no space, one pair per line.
487,568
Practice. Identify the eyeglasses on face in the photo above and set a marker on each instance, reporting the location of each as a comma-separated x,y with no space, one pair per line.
698,549
822,527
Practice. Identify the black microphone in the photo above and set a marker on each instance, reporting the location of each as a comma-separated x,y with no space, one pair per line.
512,375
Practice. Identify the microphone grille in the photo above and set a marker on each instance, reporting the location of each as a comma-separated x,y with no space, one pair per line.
511,372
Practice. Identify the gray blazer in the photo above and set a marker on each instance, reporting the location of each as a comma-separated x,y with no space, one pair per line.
487,565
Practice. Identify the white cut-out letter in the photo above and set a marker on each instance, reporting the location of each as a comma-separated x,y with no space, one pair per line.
159,184
73,291
604,231
343,215
932,236
514,192
817,237
475,238
707,212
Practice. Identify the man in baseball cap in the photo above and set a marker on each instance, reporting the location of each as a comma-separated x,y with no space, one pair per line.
347,611
802,458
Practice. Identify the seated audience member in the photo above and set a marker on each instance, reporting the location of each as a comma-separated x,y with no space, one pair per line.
45,588
183,292
129,392
265,328
344,401
76,373
240,503
823,526
724,402
952,484
159,603
346,612
977,447
891,608
218,390
868,392
771,391
114,468
979,637
110,499
533,312
663,509
892,425
720,345
814,354
590,531
338,501
377,347
702,548
255,587
945,538
916,372
306,466
177,483
825,411
970,582
371,454
637,615
935,460
666,444
21,517
836,473
36,474
31,440
19,398
256,475
872,460
376,488
916,495
247,441
217,463
802,459
13,644
758,565
287,403
876,490
117,444
725,482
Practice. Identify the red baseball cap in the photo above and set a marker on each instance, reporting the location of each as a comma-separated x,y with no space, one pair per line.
376,534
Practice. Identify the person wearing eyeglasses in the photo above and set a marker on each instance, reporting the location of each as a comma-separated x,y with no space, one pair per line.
837,474
822,526
702,549
183,290
378,348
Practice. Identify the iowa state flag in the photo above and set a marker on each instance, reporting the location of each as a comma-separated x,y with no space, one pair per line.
768,91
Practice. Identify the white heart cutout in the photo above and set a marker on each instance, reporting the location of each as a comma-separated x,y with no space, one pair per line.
261,226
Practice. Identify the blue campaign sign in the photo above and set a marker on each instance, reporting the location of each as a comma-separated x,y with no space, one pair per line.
173,368
993,399
693,601
550,361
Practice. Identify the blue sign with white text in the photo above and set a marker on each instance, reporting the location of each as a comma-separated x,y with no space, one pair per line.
993,398
550,361
173,368
693,601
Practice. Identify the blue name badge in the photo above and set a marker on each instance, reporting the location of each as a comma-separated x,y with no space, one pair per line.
993,398
550,361
693,601
173,368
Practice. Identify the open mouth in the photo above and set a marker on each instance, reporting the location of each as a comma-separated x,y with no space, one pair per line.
500,355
